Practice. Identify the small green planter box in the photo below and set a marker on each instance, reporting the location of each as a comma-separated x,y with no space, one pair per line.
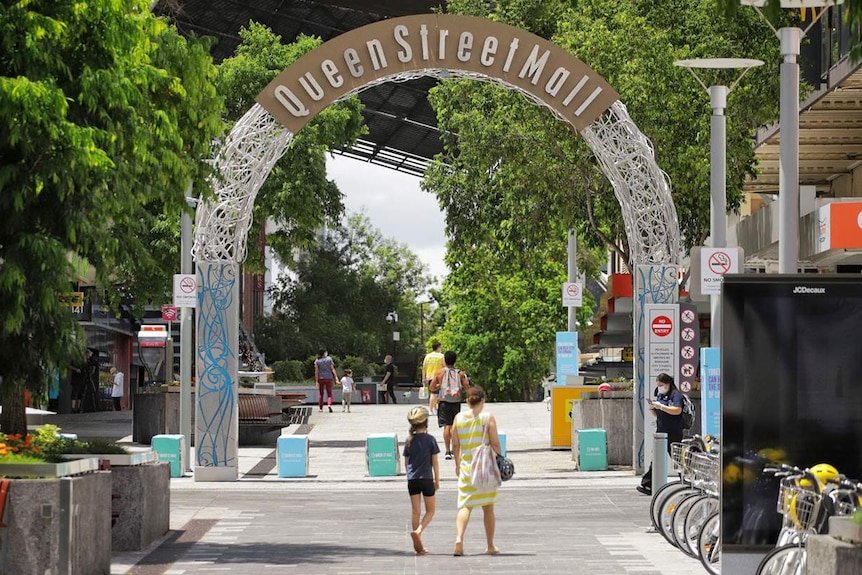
382,455
170,448
592,450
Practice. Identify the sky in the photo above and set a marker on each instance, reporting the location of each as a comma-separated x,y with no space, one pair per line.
395,205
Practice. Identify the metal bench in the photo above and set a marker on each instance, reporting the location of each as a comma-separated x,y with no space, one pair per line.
255,410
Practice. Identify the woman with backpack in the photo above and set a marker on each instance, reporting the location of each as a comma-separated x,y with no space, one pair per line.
667,409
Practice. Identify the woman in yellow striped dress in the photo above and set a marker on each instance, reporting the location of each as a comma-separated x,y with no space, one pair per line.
470,427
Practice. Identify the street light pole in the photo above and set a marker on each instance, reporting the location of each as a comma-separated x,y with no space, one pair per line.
186,319
790,39
717,160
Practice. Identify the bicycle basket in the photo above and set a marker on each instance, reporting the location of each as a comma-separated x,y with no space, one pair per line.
704,470
798,504
845,501
677,453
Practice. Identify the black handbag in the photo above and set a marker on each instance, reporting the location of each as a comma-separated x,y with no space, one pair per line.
507,468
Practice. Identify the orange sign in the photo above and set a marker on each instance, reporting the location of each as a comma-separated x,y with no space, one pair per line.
846,225
840,226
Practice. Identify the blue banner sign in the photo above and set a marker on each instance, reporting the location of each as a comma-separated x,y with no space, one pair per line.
567,355
710,391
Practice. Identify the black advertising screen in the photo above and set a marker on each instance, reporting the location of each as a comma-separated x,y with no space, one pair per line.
791,366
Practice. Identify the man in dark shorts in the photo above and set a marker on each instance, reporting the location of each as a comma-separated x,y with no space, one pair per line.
451,384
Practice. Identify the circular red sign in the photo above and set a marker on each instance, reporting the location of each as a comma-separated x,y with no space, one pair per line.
662,325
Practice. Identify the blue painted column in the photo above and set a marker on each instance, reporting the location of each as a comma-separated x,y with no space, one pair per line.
653,283
217,363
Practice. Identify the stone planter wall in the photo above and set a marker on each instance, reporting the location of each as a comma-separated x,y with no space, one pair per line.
144,505
614,415
829,556
45,530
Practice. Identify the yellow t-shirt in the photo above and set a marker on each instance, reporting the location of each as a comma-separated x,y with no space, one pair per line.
433,362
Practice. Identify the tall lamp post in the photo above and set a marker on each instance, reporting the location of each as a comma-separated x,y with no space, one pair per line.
392,319
717,158
187,266
788,167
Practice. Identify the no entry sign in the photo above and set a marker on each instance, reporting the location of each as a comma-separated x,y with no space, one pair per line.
662,326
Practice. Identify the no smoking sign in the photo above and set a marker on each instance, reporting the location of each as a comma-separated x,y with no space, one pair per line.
185,290
719,263
715,263
572,294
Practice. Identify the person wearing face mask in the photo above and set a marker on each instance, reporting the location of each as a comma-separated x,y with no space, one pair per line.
667,409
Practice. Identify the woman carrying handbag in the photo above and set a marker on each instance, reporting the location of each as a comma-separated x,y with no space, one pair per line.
473,429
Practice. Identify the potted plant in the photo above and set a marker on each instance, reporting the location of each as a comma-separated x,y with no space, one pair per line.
26,457
45,496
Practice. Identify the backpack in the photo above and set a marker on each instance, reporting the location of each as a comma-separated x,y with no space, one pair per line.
688,412
450,387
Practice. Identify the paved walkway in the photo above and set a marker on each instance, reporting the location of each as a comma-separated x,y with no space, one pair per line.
550,518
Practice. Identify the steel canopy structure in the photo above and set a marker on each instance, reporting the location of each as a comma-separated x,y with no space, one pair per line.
402,127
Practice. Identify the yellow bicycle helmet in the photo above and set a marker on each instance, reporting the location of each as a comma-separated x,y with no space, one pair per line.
824,472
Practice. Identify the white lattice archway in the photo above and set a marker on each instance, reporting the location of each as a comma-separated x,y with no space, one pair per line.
443,46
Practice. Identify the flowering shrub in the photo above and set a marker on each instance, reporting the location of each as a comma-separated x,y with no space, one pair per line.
46,445
18,449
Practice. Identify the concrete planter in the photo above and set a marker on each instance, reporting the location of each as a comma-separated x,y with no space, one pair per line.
142,502
141,498
845,529
85,464
58,526
117,459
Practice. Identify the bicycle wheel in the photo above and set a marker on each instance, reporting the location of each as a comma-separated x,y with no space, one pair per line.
697,516
658,499
665,526
786,560
677,521
709,544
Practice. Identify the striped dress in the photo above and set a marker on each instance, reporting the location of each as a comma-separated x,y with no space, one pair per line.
470,431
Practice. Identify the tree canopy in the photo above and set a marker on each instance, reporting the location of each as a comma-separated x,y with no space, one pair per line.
108,115
340,293
513,178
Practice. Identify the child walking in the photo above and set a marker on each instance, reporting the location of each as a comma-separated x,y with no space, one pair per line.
423,474
346,390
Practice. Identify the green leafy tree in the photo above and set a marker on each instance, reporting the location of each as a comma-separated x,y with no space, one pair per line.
340,293
513,178
108,114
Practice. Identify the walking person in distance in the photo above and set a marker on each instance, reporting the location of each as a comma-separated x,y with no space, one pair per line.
324,375
432,362
388,383
450,384
471,429
117,388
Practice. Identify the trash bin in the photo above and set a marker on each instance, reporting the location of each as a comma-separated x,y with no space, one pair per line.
170,448
382,456
292,456
367,392
592,450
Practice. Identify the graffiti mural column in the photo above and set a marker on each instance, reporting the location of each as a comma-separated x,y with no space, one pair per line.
653,284
217,352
